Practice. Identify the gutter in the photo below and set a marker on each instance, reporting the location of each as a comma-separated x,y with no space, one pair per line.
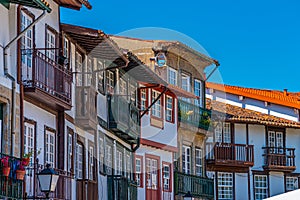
13,96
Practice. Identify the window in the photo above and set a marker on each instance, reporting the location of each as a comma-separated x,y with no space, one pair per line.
151,173
101,155
198,92
1,122
89,73
79,161
78,65
143,99
128,165
167,185
260,187
26,45
50,44
91,163
225,185
198,161
186,159
169,108
66,47
100,75
185,82
119,163
29,139
275,139
123,87
50,148
132,92
172,76
70,152
110,81
292,183
156,108
139,170
223,133
108,159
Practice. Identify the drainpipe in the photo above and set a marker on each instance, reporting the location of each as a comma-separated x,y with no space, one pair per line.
13,96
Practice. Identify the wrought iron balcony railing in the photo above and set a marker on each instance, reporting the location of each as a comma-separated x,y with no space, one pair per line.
10,186
193,115
199,187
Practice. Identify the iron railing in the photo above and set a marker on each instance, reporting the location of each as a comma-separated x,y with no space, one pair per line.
193,115
10,186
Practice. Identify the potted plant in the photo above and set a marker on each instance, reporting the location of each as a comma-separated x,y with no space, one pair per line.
5,166
20,172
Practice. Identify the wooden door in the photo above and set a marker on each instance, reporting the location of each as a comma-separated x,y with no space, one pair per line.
152,177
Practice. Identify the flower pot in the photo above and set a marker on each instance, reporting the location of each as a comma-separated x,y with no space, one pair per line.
20,174
25,161
5,171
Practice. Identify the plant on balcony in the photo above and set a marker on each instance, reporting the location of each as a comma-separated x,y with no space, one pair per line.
5,165
205,119
184,115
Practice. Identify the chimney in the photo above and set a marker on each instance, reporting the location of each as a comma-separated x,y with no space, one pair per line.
285,92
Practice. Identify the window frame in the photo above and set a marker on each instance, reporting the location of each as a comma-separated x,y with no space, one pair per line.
201,161
170,176
79,68
139,157
82,169
186,166
109,150
198,102
70,156
225,180
141,99
292,176
33,148
91,174
188,77
101,154
110,81
51,30
221,134
172,109
157,103
53,132
170,69
266,188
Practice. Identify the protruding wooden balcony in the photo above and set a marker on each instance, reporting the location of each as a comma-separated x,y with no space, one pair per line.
193,115
279,159
199,187
229,156
86,109
123,118
47,82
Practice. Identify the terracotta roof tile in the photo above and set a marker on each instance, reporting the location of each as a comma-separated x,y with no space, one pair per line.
289,99
238,114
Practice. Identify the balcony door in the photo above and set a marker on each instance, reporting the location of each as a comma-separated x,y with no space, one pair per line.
275,141
152,177
51,57
79,171
26,45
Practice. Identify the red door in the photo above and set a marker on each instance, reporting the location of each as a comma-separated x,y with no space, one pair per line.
153,177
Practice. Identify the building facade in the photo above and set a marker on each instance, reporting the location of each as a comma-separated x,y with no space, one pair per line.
253,149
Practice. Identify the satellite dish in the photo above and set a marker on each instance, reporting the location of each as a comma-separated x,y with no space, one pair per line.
161,60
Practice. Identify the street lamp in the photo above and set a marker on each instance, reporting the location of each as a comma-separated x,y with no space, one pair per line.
48,178
188,196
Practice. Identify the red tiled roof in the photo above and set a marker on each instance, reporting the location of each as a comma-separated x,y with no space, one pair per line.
238,114
289,99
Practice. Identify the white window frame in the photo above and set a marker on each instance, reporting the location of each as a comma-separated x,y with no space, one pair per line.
166,177
122,87
108,159
169,108
172,72
50,44
70,151
119,162
225,186
143,99
50,148
79,68
223,132
187,86
151,171
79,161
29,138
156,109
138,171
198,92
186,159
292,183
91,163
101,155
198,161
260,187
66,47
110,81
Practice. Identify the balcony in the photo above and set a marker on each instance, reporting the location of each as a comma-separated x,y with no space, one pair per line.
63,187
10,187
279,159
86,110
46,81
199,187
123,118
193,115
120,187
229,156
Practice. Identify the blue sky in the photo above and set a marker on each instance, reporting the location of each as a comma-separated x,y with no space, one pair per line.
256,42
